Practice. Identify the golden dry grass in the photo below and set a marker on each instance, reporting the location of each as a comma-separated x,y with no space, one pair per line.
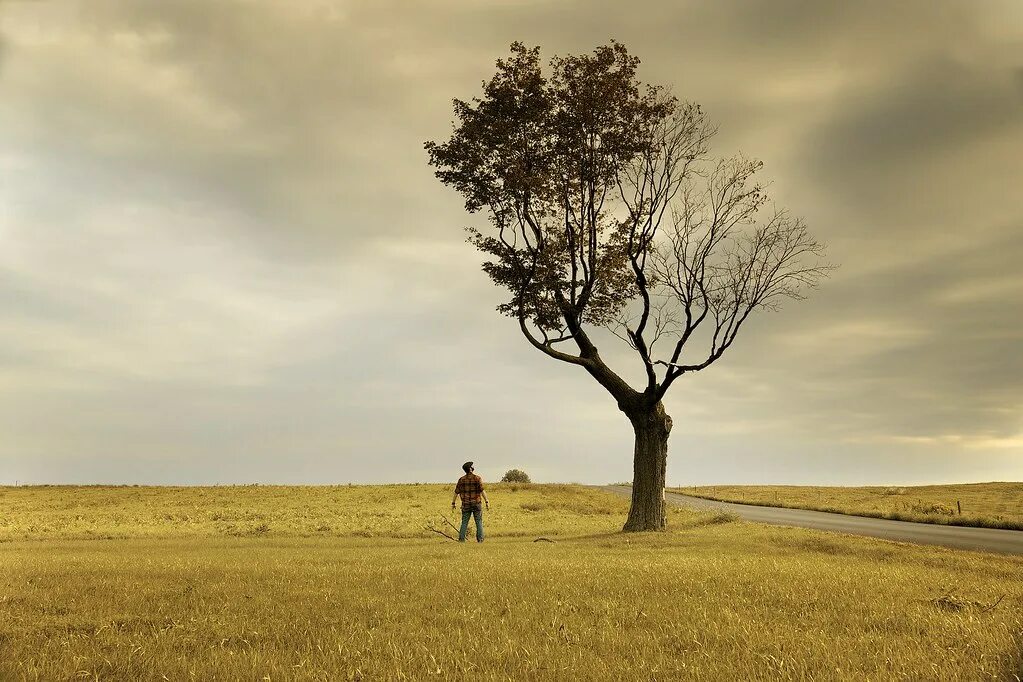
988,505
400,511
710,599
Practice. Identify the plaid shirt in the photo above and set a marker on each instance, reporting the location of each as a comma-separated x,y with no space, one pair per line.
469,487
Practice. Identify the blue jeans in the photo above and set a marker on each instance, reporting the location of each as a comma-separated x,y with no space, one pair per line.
476,512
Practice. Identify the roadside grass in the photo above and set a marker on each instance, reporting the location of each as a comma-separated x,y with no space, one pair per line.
712,598
985,505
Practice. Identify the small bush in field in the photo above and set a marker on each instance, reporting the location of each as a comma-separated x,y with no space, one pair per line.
933,508
515,476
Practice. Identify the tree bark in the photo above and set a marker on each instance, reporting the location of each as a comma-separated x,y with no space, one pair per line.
652,426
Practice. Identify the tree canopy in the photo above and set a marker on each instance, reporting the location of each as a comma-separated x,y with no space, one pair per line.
606,211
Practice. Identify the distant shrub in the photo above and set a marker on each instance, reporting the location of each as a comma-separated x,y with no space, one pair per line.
893,491
723,517
928,508
515,476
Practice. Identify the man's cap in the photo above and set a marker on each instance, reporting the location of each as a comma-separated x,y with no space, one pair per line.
466,467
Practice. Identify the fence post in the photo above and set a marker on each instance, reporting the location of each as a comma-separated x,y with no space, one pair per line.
959,507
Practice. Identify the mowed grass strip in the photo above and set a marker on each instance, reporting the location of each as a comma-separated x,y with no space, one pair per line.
395,511
703,601
985,505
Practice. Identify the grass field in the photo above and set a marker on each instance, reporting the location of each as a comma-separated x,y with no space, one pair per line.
186,584
987,505
396,511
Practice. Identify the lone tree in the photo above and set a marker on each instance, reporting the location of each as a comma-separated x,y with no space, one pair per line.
606,212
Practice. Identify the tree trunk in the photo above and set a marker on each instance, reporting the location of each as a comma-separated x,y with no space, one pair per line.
652,426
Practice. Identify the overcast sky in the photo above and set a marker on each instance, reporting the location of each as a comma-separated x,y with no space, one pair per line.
223,257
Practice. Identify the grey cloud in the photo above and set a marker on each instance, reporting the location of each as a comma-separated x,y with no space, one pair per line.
232,262
898,352
880,135
239,104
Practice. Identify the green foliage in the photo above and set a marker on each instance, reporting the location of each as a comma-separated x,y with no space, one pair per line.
515,476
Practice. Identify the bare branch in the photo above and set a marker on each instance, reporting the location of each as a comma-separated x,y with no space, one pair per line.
439,531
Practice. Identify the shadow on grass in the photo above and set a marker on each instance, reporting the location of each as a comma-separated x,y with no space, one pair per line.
1012,667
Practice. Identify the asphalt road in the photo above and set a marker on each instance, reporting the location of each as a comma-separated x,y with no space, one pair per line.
959,537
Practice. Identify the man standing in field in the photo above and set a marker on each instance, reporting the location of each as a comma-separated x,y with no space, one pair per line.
470,488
